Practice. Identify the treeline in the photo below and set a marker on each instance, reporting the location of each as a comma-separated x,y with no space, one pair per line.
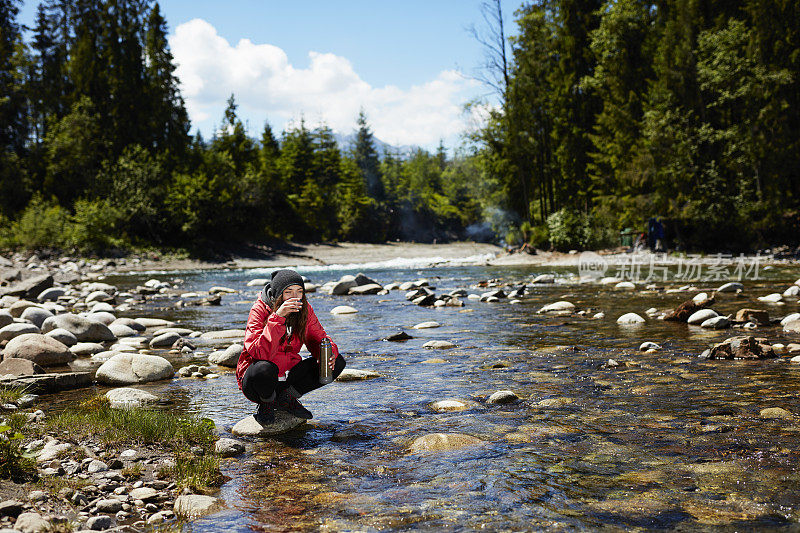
95,152
614,112
610,113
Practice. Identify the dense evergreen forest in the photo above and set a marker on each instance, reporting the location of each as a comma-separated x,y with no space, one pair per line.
603,115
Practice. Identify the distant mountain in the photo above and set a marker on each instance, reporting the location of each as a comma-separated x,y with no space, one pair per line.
347,142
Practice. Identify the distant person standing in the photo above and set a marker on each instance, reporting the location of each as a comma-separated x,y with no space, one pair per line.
655,235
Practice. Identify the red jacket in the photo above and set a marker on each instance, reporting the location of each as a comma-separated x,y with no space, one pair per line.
265,340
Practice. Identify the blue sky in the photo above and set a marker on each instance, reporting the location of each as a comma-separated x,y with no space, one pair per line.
408,64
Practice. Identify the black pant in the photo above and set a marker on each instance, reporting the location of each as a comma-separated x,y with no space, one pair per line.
260,380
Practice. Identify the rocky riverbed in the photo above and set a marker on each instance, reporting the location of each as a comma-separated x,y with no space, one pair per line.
605,396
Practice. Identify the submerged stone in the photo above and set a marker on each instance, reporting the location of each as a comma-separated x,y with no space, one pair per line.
440,442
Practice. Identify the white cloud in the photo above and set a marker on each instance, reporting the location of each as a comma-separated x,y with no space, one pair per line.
268,87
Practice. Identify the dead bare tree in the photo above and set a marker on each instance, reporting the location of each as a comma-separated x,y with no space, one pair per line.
493,72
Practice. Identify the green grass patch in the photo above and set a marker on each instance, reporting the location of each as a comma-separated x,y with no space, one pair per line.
14,462
11,394
133,471
54,484
199,474
140,426
95,418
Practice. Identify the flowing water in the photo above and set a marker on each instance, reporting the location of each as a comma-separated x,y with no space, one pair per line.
662,441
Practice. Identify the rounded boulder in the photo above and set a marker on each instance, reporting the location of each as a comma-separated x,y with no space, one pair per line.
129,368
84,329
38,348
229,357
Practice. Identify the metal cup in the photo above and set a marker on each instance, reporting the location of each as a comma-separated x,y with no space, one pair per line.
325,356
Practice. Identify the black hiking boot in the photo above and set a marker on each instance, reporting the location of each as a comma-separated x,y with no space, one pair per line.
266,413
288,402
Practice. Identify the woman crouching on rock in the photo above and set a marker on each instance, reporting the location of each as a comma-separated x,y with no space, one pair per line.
271,372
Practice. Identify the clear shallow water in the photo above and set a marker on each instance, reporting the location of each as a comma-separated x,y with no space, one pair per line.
667,442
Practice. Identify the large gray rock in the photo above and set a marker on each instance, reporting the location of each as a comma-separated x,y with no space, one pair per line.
51,295
154,322
63,336
99,296
793,326
86,348
36,315
19,306
248,427
128,397
101,316
83,328
5,318
31,523
28,288
700,316
229,357
369,288
121,330
164,341
101,307
192,506
41,349
19,367
343,287
361,279
223,334
131,323
15,330
130,368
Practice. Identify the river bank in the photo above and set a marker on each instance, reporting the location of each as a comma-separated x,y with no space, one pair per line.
384,255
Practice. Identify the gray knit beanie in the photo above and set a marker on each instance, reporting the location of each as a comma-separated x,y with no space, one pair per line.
280,280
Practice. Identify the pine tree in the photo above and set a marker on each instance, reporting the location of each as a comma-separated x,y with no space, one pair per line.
13,108
367,160
169,121
232,139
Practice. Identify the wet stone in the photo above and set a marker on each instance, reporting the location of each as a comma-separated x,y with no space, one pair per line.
503,397
441,442
249,427
776,412
354,374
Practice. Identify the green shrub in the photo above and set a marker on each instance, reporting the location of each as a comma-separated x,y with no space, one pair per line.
570,229
42,224
514,236
539,236
96,225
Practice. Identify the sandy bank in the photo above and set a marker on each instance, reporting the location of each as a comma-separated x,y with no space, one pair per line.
437,254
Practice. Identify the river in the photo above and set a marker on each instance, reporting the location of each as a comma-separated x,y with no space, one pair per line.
665,440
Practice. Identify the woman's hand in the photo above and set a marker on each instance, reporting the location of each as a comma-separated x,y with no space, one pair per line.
291,305
332,362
